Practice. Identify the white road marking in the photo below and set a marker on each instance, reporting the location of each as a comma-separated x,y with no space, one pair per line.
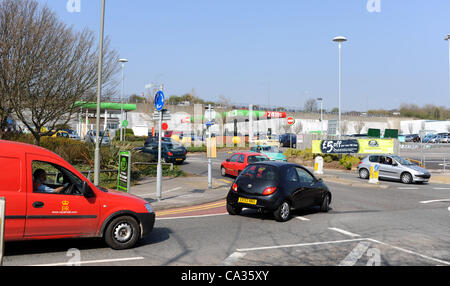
351,257
407,188
411,252
302,218
441,188
194,216
344,232
355,254
435,201
230,260
93,261
165,192
298,245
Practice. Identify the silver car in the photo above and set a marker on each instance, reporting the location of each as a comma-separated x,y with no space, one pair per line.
393,167
91,138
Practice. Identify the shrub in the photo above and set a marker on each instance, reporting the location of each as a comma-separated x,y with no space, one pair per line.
349,161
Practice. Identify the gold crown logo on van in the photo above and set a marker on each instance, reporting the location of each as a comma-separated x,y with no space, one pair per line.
65,206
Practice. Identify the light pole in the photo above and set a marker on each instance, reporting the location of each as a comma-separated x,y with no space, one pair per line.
339,40
321,114
99,92
123,61
448,40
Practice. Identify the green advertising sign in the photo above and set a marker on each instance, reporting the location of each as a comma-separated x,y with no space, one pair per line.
124,174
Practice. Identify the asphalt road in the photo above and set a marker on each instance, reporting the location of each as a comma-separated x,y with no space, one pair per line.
400,225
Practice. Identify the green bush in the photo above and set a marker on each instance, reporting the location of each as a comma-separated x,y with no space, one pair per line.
305,154
349,161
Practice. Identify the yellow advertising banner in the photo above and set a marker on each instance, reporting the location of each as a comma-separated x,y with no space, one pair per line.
353,146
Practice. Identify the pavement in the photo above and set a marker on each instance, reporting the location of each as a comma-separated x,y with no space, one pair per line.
182,192
192,190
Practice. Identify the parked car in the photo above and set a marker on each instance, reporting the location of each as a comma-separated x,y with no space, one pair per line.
270,151
170,152
60,134
237,162
277,187
152,139
72,134
435,139
444,139
91,137
393,167
412,138
47,198
288,140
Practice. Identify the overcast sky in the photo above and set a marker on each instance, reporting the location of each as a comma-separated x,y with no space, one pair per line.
258,51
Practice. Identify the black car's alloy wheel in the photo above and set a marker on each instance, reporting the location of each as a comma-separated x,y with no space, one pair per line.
283,213
325,207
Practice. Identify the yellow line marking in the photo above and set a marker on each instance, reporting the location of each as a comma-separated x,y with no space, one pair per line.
191,209
226,181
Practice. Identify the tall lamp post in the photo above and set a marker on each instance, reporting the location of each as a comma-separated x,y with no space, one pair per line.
99,92
123,61
448,40
321,114
339,40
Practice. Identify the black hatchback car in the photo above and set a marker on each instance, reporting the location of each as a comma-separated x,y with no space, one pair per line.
277,187
170,152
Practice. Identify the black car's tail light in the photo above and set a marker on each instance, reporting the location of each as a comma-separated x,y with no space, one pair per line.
269,191
235,187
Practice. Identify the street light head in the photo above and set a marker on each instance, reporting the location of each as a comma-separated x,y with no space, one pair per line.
447,38
320,99
123,61
340,39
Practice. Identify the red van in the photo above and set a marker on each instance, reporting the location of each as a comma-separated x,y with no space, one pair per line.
47,198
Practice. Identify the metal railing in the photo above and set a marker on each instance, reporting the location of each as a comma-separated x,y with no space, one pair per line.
88,173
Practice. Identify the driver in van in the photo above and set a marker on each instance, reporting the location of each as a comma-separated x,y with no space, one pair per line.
39,178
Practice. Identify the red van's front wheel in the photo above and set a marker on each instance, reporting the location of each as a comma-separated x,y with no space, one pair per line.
122,233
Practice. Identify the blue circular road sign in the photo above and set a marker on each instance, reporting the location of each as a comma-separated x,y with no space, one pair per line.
159,100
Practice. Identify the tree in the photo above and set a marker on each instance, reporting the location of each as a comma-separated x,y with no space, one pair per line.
311,105
359,126
47,67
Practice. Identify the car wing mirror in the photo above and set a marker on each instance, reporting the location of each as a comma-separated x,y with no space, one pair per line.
87,191
228,160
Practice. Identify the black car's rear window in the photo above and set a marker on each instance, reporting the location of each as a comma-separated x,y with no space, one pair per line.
260,172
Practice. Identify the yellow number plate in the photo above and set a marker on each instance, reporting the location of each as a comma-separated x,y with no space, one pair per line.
247,201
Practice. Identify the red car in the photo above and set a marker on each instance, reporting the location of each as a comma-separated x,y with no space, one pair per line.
47,198
237,162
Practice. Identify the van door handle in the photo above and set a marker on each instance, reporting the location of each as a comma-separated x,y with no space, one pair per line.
38,205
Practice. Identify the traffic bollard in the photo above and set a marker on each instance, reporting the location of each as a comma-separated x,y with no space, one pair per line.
374,174
318,165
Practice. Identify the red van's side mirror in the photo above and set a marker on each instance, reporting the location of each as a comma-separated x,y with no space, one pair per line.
87,191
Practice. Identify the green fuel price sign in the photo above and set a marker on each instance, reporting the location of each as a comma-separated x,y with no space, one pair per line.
124,174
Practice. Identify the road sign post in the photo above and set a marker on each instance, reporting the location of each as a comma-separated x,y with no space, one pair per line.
291,122
159,105
124,174
2,228
209,124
